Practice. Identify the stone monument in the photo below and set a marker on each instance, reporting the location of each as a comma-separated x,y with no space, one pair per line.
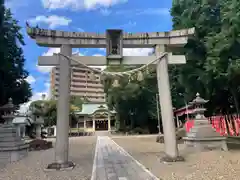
165,43
202,136
12,147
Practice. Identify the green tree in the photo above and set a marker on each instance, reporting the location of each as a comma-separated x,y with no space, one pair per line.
223,58
2,9
77,101
48,110
133,100
12,72
194,77
212,54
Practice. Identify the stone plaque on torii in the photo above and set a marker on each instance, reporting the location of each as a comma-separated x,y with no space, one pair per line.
114,41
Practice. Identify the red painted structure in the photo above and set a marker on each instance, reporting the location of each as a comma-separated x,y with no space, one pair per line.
221,124
184,110
225,125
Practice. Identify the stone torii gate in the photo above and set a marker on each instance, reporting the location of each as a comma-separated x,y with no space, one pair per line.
114,41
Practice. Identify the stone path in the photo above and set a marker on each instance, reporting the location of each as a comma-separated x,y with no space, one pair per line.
112,162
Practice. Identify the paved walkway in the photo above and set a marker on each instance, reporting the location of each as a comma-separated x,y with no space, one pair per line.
112,162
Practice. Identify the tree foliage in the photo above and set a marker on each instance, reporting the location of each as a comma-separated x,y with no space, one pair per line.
48,110
134,100
212,56
12,71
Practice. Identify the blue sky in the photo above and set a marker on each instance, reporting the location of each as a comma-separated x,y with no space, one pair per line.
87,16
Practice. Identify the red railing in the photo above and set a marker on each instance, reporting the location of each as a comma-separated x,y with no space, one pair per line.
225,125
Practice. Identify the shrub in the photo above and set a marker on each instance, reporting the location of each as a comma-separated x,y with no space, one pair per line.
39,144
75,134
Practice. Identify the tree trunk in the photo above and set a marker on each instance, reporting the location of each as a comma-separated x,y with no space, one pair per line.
235,98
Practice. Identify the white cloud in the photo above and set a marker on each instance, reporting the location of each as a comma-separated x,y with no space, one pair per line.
47,85
44,69
102,49
53,21
30,79
80,29
79,4
137,51
134,51
51,51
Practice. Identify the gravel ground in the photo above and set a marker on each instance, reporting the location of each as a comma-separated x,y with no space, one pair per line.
213,165
82,151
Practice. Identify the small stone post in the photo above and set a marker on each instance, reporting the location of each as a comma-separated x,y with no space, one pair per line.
24,131
85,125
109,121
93,120
38,131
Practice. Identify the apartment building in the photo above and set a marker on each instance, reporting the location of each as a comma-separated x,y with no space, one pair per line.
82,84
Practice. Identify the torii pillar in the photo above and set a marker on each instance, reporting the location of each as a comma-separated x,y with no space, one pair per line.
63,110
165,100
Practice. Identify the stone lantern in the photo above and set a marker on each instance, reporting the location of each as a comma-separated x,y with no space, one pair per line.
7,112
38,120
12,147
202,136
198,105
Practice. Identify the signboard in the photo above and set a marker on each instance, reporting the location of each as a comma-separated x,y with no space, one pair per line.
114,44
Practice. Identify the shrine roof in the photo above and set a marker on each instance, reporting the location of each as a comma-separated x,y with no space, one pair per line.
184,110
91,108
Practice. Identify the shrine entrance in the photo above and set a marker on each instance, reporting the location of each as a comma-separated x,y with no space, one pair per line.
102,119
101,125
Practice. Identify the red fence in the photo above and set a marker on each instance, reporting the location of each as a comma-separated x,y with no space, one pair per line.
225,125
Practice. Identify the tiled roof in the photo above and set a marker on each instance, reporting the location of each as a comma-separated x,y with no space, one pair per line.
90,108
